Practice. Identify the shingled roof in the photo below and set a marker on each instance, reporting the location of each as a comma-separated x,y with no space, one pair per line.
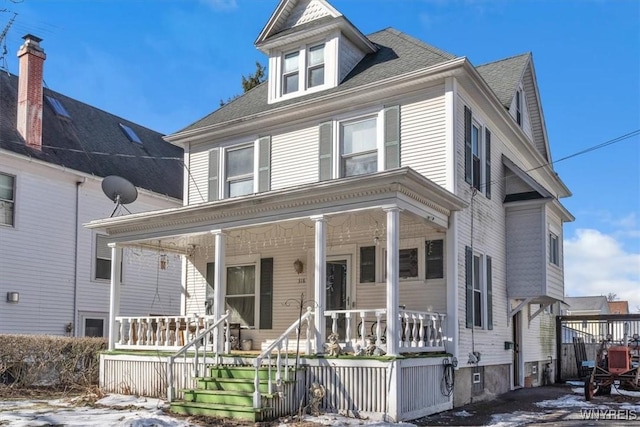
503,76
76,142
397,54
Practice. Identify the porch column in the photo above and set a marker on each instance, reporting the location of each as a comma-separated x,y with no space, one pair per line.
320,283
114,294
220,285
393,274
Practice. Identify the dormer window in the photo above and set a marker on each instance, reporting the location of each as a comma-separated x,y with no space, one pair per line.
315,73
290,74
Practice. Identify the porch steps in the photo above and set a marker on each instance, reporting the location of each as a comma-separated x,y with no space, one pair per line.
228,393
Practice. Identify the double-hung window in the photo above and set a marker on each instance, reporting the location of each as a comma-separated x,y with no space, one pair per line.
359,147
554,249
477,154
239,171
290,72
434,259
479,294
315,66
7,199
103,258
241,294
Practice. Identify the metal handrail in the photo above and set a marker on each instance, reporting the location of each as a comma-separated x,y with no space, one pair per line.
196,341
267,353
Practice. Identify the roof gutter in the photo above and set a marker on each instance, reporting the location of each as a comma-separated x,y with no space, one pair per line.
82,175
323,104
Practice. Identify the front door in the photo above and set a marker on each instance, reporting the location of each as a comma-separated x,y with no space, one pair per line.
338,292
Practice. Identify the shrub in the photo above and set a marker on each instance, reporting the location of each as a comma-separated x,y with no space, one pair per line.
40,360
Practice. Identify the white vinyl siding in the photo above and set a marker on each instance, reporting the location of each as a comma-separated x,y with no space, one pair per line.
423,136
349,56
48,196
555,273
526,251
198,175
297,147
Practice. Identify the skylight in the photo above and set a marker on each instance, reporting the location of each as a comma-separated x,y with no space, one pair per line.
133,137
57,107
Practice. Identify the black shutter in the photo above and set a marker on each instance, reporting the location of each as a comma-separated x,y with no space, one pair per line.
392,137
208,302
468,274
489,296
264,164
325,151
467,146
266,293
213,175
487,175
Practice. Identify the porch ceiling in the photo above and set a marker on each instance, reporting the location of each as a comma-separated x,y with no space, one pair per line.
403,188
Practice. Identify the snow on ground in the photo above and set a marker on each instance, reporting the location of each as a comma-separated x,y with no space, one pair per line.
133,411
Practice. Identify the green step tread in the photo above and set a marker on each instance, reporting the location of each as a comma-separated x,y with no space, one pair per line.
225,392
239,380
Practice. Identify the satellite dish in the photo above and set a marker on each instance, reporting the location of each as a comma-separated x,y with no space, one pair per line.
121,191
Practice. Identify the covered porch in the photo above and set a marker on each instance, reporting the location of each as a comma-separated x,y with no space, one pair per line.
365,261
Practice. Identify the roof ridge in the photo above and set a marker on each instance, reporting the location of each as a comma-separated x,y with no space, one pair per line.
417,42
505,59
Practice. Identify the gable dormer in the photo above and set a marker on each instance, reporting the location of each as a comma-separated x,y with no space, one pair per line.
311,48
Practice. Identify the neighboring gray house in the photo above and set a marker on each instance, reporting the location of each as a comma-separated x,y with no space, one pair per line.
406,193
54,153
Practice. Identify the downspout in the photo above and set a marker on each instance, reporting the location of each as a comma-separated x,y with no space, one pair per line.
75,260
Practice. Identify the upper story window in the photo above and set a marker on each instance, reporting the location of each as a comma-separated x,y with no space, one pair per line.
554,249
477,166
239,171
315,67
290,73
358,147
7,199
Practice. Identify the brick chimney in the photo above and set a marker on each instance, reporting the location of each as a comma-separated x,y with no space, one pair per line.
31,58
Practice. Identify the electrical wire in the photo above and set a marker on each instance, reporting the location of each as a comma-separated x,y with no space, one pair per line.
447,382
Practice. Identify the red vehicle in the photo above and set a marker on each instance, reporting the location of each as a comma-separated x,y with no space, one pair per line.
615,365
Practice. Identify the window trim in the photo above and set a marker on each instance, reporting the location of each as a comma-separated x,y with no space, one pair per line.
284,75
480,289
12,202
303,69
475,124
405,244
310,68
240,178
554,249
242,261
83,316
441,258
344,157
94,261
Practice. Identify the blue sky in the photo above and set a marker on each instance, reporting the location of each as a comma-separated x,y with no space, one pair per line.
167,63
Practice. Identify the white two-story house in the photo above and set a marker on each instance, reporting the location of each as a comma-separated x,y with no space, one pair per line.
404,194
55,152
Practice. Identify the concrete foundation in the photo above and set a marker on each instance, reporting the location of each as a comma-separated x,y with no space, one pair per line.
480,383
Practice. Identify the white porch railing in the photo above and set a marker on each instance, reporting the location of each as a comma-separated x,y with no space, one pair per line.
200,339
280,346
419,331
158,332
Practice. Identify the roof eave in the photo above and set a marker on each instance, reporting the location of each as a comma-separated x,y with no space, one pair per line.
320,103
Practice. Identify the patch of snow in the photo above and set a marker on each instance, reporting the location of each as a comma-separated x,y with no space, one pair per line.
514,419
576,383
569,401
462,413
342,421
121,400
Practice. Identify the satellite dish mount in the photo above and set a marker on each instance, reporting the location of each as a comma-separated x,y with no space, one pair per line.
120,191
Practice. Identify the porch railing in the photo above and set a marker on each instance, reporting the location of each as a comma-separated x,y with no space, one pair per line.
280,346
210,333
419,331
158,332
